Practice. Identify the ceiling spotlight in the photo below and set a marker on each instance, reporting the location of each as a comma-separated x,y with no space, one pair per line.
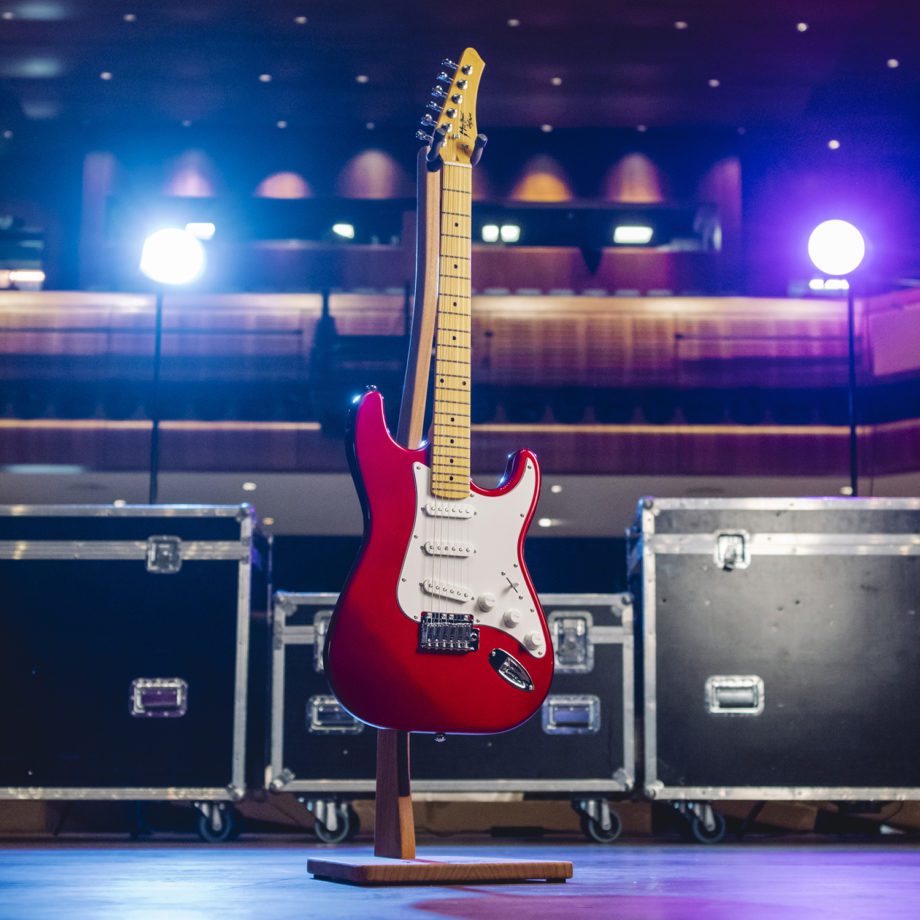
801,27
281,124
249,487
632,234
545,522
7,134
129,17
546,128
268,521
265,78
119,503
7,15
833,144
555,489
510,233
642,128
490,233
680,25
362,78
105,75
556,81
714,83
346,231
892,63
514,23
186,122
301,20
202,229
846,490
370,126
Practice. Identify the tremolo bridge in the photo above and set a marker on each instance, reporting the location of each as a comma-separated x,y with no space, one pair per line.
452,633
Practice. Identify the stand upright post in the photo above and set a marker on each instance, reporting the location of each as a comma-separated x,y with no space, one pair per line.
851,391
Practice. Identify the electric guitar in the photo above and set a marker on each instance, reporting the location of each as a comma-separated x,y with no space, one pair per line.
438,628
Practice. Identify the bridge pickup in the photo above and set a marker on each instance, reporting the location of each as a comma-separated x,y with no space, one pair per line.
449,510
448,592
437,548
451,633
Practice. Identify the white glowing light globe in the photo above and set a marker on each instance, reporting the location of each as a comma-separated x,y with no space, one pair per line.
172,256
836,247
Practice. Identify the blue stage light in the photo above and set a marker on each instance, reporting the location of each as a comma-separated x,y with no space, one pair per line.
172,256
836,247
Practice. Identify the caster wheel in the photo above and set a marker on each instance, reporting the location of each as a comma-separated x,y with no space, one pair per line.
593,830
227,827
348,828
702,834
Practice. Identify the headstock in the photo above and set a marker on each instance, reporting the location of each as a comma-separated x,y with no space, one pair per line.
449,125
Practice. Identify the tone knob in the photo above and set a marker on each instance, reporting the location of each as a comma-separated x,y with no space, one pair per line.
486,602
534,641
511,617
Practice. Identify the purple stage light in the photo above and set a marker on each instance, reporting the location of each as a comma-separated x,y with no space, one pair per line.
836,247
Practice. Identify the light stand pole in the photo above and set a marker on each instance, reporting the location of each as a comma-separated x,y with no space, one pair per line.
175,257
837,248
851,390
155,401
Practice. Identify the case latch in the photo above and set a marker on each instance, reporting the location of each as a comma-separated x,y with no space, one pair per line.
733,550
164,555
320,628
571,633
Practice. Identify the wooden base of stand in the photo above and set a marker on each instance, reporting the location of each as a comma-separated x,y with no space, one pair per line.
448,870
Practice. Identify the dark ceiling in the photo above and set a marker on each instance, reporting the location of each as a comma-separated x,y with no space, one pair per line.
621,63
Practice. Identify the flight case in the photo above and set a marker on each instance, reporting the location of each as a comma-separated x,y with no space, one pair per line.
579,745
780,648
123,654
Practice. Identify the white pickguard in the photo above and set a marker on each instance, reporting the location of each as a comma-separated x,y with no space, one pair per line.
462,558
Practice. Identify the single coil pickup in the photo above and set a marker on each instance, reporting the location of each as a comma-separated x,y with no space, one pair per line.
449,592
449,510
448,633
436,548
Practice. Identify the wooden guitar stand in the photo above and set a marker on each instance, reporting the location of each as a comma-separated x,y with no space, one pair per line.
394,861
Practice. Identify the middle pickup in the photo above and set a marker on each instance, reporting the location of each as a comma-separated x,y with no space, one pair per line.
448,548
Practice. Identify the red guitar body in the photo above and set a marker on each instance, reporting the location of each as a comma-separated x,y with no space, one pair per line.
377,662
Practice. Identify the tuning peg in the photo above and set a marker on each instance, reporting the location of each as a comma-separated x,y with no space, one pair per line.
422,136
434,107
449,65
444,78
428,121
438,93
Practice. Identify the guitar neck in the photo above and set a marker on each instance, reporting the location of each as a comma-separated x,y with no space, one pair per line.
450,444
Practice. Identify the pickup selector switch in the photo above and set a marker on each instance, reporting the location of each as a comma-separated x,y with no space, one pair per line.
511,618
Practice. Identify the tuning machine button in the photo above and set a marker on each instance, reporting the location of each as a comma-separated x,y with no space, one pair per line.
438,92
486,602
427,121
422,136
449,65
434,107
511,617
444,78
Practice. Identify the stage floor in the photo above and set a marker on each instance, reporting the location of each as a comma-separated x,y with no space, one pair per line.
263,879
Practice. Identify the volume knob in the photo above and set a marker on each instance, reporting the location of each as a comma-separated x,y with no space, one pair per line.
486,602
511,617
534,641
